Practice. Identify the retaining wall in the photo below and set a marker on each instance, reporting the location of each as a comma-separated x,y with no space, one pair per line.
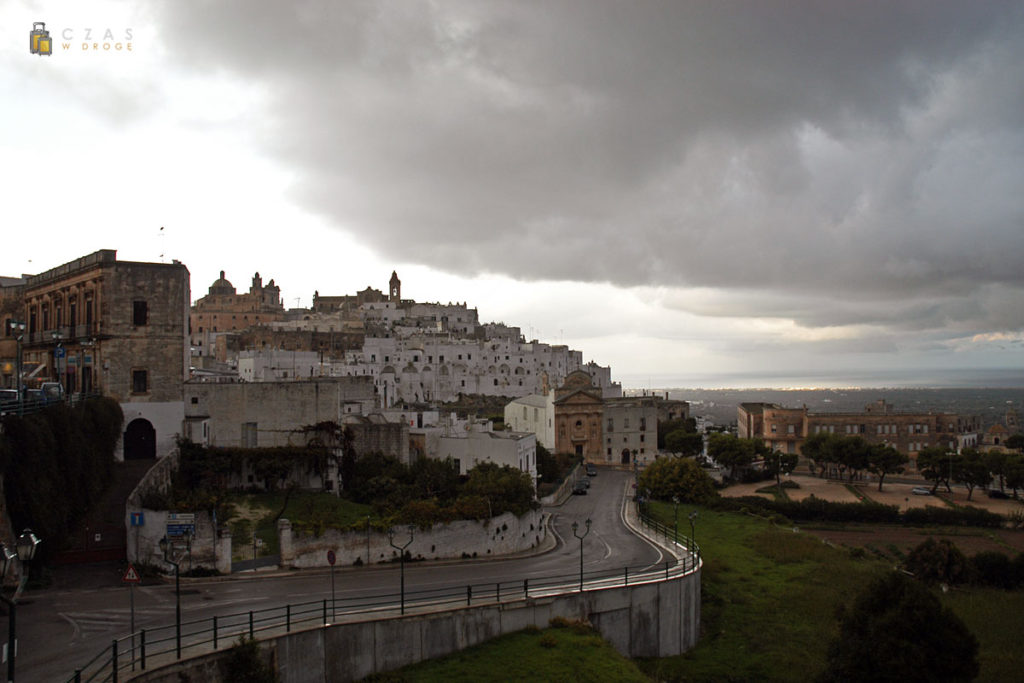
659,619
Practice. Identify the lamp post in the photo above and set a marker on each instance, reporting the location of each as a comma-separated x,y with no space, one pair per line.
165,546
575,528
401,549
18,330
26,545
58,353
693,541
675,527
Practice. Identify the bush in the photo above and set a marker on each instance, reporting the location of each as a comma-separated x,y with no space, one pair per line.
896,630
938,562
245,664
993,569
683,477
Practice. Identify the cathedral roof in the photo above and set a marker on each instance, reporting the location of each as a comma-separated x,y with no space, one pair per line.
222,286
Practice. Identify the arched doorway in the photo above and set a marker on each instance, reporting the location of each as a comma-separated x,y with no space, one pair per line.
625,456
140,440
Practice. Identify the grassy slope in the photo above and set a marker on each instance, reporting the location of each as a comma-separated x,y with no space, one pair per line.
769,604
769,601
555,654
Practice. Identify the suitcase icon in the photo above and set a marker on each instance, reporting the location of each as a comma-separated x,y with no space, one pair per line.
39,39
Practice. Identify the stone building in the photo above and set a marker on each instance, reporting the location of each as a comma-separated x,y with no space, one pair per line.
264,414
225,310
119,328
786,429
579,409
630,429
534,413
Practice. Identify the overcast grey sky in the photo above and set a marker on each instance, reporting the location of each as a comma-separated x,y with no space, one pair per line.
677,187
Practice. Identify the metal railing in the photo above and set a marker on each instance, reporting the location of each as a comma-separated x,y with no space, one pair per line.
34,402
158,646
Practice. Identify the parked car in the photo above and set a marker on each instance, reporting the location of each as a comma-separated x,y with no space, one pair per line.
8,400
996,493
921,491
52,391
579,488
591,470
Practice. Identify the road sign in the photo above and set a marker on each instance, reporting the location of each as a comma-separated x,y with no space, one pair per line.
181,524
59,352
131,576
331,557
138,519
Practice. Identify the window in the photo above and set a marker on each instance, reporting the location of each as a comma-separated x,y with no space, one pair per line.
195,400
774,429
790,429
642,438
611,424
139,381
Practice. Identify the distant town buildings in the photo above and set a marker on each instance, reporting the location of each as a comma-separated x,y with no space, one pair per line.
786,429
224,310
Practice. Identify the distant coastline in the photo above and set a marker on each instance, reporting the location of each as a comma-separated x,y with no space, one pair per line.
916,378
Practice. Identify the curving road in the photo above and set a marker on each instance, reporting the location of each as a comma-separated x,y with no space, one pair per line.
60,630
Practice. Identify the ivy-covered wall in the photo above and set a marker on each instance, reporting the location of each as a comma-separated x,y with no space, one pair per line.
56,465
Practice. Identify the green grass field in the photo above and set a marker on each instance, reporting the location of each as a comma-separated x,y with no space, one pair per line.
571,653
768,614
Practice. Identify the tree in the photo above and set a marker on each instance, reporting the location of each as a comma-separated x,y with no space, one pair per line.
683,477
1014,472
779,463
736,454
971,470
935,464
1015,441
996,461
883,460
896,630
687,444
852,454
820,448
938,562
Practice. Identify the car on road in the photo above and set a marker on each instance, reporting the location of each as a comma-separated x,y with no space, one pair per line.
996,493
921,491
8,400
591,470
579,488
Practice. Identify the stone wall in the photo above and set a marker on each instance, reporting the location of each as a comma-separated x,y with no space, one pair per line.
505,534
659,619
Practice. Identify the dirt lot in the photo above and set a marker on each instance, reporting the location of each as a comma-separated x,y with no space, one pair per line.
884,538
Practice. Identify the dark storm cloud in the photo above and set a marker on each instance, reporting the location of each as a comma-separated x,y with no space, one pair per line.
868,152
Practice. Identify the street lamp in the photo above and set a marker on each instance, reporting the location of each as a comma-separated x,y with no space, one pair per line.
165,546
693,541
575,528
401,549
18,330
675,527
57,355
26,545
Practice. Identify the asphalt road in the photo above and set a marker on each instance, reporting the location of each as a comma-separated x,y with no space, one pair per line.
62,628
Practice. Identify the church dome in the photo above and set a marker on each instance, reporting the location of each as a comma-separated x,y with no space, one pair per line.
222,286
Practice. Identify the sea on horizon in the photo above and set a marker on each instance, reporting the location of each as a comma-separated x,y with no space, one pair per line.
934,378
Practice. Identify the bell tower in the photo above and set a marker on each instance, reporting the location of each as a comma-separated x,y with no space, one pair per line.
395,288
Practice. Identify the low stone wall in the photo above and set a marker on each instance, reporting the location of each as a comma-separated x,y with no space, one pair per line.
505,534
648,620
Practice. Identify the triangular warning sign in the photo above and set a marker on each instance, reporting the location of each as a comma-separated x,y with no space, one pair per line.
131,576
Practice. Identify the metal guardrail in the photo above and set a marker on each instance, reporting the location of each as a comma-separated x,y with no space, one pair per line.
159,646
35,404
